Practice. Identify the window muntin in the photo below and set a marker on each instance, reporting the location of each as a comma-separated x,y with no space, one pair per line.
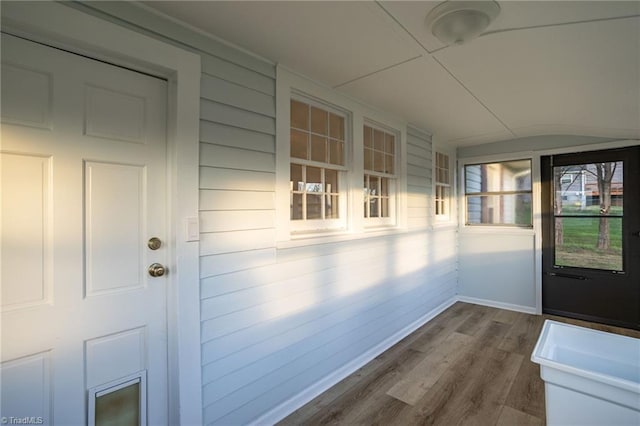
379,150
376,197
499,193
317,166
443,185
317,134
314,193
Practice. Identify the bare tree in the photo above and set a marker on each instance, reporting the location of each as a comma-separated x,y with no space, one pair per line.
604,174
557,206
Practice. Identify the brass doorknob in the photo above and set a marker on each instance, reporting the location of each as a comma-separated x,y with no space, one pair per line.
156,270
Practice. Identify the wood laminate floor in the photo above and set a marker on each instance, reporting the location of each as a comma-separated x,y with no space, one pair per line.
468,366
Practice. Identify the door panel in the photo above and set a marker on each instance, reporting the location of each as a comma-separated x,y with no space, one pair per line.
26,96
113,115
83,161
114,239
111,356
26,268
28,379
591,247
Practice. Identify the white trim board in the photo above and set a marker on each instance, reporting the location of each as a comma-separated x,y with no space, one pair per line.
289,406
499,305
61,26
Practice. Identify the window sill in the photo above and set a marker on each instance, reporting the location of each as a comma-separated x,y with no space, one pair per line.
496,229
317,238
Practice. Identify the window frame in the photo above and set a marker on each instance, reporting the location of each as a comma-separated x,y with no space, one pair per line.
305,226
464,194
290,84
383,221
446,201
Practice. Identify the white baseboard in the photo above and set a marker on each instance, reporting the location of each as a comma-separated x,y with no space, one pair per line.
500,305
292,404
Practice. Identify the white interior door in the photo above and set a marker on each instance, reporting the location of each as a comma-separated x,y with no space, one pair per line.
83,164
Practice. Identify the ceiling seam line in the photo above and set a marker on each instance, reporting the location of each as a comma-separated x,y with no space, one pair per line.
431,55
377,71
403,27
559,24
475,97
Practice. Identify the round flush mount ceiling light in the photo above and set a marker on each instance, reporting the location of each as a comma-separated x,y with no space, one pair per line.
457,22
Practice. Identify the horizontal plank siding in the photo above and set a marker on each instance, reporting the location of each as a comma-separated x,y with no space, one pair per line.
212,266
237,117
417,212
415,149
275,321
236,220
416,197
237,137
318,282
236,200
419,172
247,280
245,77
236,179
224,92
232,241
419,182
233,158
314,259
423,163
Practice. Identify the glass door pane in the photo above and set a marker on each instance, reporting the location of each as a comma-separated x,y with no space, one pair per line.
579,240
588,212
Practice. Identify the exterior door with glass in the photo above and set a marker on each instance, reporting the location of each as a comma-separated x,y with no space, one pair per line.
591,236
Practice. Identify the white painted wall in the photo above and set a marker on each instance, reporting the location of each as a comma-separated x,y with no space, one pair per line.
498,268
279,325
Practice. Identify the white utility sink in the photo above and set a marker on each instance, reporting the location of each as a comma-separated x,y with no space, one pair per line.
591,377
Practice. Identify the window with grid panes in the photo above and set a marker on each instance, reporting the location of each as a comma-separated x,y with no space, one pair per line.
379,174
317,153
443,185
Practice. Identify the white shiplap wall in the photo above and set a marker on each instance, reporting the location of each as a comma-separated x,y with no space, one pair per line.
419,184
276,321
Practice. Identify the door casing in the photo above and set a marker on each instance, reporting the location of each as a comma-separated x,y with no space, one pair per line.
64,27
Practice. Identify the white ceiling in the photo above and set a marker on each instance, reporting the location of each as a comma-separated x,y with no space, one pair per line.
562,67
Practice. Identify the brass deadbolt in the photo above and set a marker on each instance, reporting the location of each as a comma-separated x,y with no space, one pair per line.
154,243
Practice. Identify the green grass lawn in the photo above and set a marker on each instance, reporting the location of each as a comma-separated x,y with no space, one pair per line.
580,240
